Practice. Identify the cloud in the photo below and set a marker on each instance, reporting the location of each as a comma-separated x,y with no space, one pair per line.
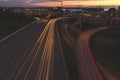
54,3
80,2
49,4
4,0
28,1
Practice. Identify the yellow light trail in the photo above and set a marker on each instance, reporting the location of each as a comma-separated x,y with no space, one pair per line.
39,42
44,46
32,50
46,53
42,36
47,61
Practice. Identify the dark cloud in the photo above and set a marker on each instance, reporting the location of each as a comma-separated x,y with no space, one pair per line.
19,2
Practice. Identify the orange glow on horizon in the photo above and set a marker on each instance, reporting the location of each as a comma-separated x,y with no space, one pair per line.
48,4
78,3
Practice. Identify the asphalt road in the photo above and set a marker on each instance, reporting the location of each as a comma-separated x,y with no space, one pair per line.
88,68
35,53
40,52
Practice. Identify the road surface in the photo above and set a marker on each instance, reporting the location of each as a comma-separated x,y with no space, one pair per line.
33,54
39,53
87,65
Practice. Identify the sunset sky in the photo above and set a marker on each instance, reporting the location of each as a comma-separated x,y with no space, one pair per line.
54,3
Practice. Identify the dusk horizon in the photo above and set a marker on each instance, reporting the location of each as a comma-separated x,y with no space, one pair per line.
56,3
59,40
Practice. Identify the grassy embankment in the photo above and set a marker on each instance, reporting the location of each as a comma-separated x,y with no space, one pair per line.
106,48
10,22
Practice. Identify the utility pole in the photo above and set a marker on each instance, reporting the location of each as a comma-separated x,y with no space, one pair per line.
61,3
61,6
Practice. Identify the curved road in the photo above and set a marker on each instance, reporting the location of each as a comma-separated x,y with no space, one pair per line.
87,65
36,53
89,68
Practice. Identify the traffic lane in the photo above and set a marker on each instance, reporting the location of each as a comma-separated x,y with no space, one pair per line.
68,46
106,75
51,63
19,40
86,62
14,50
30,68
25,65
60,70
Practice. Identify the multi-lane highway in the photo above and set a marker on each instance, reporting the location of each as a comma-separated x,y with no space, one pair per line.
34,53
38,52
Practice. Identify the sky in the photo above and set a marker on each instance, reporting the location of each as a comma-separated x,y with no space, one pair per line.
55,3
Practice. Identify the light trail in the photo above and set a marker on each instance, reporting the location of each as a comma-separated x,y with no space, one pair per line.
34,54
87,64
41,38
40,56
48,55
17,57
44,48
32,50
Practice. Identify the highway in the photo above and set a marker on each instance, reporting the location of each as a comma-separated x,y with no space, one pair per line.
46,51
88,68
35,53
